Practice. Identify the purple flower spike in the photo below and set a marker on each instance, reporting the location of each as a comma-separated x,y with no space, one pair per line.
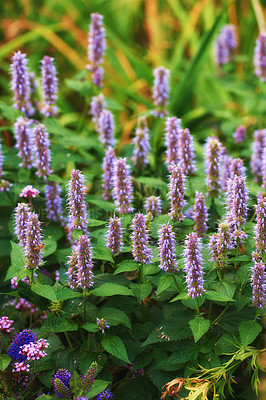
193,259
42,151
33,91
108,174
225,172
237,168
141,252
76,202
73,270
85,265
114,236
257,155
260,228
105,395
220,243
200,215
161,90
260,57
54,203
239,134
22,212
237,200
142,144
96,48
153,205
172,131
97,106
226,45
177,193
213,166
34,245
186,152
89,377
106,128
20,82
123,186
24,142
258,284
49,87
60,383
167,248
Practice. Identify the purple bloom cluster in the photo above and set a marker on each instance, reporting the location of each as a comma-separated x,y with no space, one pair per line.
89,377
33,89
161,90
122,186
105,395
20,83
186,152
106,128
225,172
193,267
84,264
20,339
49,87
260,228
54,203
22,212
114,235
173,127
60,383
226,44
177,192
5,324
260,57
33,248
153,205
220,243
167,248
213,165
141,252
108,172
239,134
142,144
96,48
42,150
24,142
237,197
72,271
237,168
200,215
257,154
97,106
102,324
258,284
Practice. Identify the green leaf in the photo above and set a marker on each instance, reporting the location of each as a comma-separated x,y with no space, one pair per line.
90,327
96,222
115,346
113,316
74,383
46,397
65,294
248,330
217,296
104,205
97,387
58,324
111,289
76,234
141,290
50,246
102,253
155,183
18,261
199,326
45,291
164,283
183,353
4,361
126,266
83,87
225,288
180,296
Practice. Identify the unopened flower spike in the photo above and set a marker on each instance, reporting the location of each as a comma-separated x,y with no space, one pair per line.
89,377
60,383
49,87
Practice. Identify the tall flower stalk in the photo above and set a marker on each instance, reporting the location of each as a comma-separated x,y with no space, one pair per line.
42,151
161,90
24,142
141,144
49,87
123,186
172,134
193,265
141,252
96,48
177,193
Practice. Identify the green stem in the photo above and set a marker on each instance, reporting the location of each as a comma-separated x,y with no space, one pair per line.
68,340
85,308
140,275
210,311
220,315
197,305
173,275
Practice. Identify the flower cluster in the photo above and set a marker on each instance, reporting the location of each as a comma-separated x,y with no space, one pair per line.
186,152
54,202
29,191
226,44
49,87
20,339
173,128
5,324
161,90
34,245
220,243
177,193
200,215
96,107
239,134
260,57
122,186
167,248
258,284
193,266
34,351
213,165
22,212
42,151
20,366
20,83
84,264
102,324
260,228
141,252
89,377
142,144
108,172
153,205
60,383
257,154
24,141
106,128
114,235
105,395
96,48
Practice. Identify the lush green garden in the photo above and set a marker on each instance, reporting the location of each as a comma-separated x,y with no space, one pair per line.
132,199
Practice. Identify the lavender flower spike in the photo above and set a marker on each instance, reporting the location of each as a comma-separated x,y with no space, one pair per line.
142,144
200,215
153,205
106,128
257,154
54,203
123,186
177,193
220,243
42,151
34,245
226,45
239,134
22,212
161,90
225,171
167,248
260,57
24,142
186,152
264,168
108,174
89,377
193,259
85,265
172,131
105,395
49,87
96,48
213,165
237,168
114,236
20,82
260,228
141,252
76,203
96,107
72,271
258,284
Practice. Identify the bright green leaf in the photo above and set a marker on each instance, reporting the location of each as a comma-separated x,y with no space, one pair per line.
4,361
113,316
112,289
58,324
97,387
199,326
115,346
45,291
248,330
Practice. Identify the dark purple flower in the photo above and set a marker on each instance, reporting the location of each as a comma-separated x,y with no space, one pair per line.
257,154
20,339
108,174
24,142
186,152
49,87
22,212
142,144
177,192
161,90
20,82
89,377
141,252
200,215
122,186
260,228
167,248
258,284
239,134
213,166
114,235
106,128
42,151
54,203
153,205
193,267
260,57
96,48
172,131
84,265
105,395
60,383
34,245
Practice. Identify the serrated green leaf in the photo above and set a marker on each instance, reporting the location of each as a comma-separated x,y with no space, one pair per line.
126,266
96,222
155,183
65,294
112,289
45,291
4,361
115,346
102,253
225,288
50,246
97,387
74,383
46,397
199,326
113,316
141,290
90,327
180,296
217,296
58,324
164,283
18,261
248,331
